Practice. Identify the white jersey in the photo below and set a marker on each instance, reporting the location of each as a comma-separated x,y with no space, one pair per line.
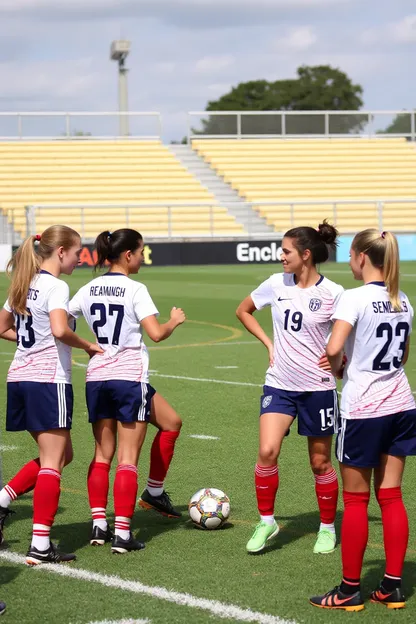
374,382
114,306
39,355
301,326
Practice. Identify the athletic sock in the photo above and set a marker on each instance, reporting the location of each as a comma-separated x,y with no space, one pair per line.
326,489
161,455
266,480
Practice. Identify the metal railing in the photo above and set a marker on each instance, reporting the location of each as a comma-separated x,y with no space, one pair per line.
44,126
132,215
300,124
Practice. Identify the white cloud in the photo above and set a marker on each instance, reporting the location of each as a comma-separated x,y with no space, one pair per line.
405,30
300,38
213,64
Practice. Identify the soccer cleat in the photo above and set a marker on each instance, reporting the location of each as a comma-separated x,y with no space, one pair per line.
325,542
392,600
51,555
2,607
161,504
120,546
99,537
4,513
335,599
262,534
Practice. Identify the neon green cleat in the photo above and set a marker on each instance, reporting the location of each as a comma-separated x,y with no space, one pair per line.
262,533
325,542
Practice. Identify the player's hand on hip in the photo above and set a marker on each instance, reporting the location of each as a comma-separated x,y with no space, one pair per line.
94,349
178,315
324,363
270,349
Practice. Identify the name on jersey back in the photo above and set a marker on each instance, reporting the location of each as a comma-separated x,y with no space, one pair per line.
107,291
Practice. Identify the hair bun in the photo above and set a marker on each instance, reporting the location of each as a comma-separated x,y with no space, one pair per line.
328,233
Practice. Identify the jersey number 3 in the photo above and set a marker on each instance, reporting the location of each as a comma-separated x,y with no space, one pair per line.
100,310
24,330
385,330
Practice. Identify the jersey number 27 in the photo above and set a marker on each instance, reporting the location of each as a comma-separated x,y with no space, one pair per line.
116,312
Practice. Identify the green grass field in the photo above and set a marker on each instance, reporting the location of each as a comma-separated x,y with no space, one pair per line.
212,568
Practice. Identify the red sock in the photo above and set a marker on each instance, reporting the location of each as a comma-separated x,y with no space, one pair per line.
98,482
25,480
354,533
326,488
266,479
46,496
160,457
125,490
395,529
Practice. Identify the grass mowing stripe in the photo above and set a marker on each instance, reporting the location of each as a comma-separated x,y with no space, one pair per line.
129,621
217,608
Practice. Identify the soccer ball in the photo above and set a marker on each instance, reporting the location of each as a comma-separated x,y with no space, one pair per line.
209,508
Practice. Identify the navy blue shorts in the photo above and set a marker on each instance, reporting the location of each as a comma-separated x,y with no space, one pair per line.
126,401
316,411
35,406
361,442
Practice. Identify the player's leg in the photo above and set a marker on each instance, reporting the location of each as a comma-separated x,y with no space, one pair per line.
52,445
273,428
131,436
98,479
164,417
387,485
326,489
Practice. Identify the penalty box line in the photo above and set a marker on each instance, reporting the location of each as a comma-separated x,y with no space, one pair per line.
215,607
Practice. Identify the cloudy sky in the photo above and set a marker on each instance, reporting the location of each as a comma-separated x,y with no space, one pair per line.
54,54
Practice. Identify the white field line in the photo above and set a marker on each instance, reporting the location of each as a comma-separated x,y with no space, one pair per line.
202,379
129,621
5,447
203,437
215,607
225,367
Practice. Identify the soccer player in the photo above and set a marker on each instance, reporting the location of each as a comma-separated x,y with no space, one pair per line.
39,391
120,399
378,416
298,383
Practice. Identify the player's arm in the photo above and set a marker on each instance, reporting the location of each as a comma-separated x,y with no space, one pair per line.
406,352
335,346
160,331
7,331
245,312
61,330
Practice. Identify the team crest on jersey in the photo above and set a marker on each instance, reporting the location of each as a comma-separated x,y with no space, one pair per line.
266,401
314,305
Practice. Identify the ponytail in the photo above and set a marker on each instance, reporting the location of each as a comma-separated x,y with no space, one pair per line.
383,253
391,270
22,268
27,260
110,245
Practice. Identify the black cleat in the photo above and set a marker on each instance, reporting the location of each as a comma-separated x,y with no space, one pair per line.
99,537
4,513
392,600
120,546
161,504
2,607
335,599
51,555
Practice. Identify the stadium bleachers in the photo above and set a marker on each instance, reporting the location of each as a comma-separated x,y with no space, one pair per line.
81,173
316,170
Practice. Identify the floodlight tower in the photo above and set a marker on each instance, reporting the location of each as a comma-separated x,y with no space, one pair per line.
119,52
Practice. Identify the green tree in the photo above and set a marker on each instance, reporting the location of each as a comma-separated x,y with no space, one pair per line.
317,88
401,124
